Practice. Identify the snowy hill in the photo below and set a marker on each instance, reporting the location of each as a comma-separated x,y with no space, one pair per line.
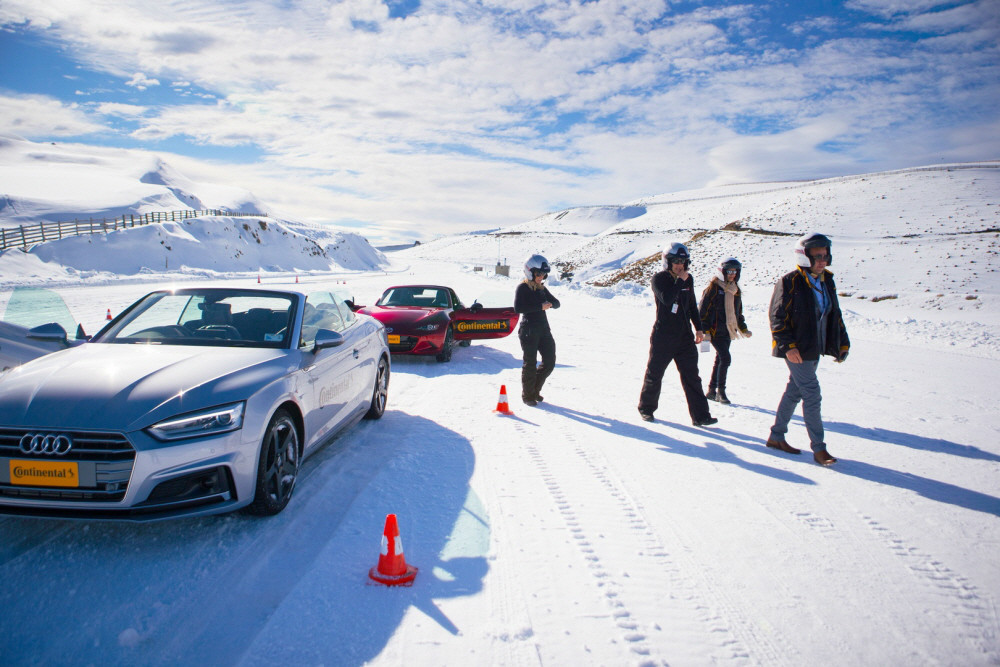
946,217
55,182
43,182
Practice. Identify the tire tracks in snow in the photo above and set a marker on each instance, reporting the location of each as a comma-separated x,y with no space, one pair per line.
861,545
961,600
574,475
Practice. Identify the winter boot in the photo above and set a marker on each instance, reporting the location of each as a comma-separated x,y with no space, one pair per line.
722,398
711,395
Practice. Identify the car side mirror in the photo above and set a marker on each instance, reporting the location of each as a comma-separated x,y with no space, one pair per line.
49,332
476,307
326,338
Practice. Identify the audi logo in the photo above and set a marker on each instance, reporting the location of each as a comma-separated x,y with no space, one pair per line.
45,443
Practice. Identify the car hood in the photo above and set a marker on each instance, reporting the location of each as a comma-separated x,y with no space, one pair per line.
405,316
128,387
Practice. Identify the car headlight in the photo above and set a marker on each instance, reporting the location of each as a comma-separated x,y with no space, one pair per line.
213,421
429,327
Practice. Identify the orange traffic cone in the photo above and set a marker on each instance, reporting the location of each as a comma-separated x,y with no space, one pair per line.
502,407
392,569
109,314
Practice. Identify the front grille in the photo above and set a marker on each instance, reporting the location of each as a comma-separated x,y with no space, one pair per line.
105,461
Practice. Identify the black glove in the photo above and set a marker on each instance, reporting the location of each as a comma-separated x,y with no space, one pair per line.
843,355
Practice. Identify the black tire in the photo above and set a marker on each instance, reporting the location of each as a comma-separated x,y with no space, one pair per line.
449,342
277,466
380,395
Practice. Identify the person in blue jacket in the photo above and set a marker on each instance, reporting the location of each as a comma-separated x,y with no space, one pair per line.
672,340
806,323
531,300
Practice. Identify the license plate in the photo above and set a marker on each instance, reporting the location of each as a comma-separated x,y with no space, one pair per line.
44,473
393,339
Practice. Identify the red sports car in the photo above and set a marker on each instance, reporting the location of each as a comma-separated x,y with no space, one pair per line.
430,319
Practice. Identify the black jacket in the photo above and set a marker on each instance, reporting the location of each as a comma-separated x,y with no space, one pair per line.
528,303
670,291
713,310
794,320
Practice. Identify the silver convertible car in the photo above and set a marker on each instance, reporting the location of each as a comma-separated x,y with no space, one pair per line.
192,401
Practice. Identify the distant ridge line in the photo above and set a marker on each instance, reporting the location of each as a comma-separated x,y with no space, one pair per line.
989,164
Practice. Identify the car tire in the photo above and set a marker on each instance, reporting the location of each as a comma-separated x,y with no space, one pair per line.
380,395
449,342
277,466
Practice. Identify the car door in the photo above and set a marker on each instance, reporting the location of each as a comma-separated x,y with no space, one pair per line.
363,338
333,373
478,322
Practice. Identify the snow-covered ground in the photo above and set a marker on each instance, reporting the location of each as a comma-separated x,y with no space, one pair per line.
574,532
571,533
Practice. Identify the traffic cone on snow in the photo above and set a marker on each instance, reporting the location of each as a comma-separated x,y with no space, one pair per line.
392,569
296,277
258,278
502,407
109,314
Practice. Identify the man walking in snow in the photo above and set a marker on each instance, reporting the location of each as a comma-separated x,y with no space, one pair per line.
676,311
806,323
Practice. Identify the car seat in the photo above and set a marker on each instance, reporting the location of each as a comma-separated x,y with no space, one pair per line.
212,313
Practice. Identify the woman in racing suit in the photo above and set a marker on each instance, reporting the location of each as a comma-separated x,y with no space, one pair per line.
531,300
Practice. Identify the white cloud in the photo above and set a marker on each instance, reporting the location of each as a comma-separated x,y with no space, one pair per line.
141,81
121,110
34,115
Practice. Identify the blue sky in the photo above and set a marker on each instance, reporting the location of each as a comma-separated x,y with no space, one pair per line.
416,118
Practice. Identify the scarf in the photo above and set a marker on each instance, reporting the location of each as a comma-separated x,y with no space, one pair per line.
732,324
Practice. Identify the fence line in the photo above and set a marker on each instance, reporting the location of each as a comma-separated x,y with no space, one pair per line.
25,236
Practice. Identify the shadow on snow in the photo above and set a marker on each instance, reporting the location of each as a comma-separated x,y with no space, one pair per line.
709,451
234,589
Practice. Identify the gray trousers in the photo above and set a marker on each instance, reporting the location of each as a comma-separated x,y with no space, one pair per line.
803,385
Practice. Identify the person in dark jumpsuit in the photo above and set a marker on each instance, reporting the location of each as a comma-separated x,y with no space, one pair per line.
531,300
672,340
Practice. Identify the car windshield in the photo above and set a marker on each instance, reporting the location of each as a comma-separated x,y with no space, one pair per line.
421,297
30,307
219,317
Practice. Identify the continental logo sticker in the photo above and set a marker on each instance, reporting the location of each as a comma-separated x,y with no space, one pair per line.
44,473
482,325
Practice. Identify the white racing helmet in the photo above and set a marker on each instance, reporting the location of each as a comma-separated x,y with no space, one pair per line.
728,263
536,264
676,251
811,240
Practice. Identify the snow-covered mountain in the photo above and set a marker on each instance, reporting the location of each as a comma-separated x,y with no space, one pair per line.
49,183
923,237
937,226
